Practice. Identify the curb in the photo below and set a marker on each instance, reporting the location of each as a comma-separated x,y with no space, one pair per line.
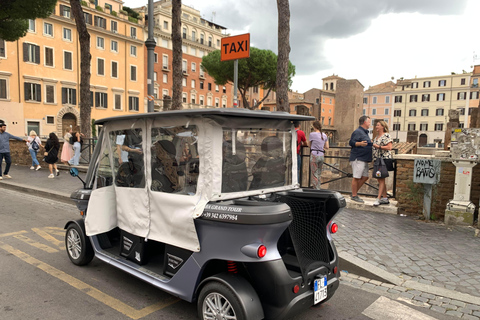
60,196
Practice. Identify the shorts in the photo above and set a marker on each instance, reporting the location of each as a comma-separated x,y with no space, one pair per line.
359,169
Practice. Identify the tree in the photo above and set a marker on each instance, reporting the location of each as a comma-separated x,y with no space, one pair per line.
258,70
14,15
85,58
177,73
283,55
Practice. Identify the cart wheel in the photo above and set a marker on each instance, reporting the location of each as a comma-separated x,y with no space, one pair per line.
79,248
217,301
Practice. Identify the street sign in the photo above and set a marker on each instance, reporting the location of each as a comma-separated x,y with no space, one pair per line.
236,47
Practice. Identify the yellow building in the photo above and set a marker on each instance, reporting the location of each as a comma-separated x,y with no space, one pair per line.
40,73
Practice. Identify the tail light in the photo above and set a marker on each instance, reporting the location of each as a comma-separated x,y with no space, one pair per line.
333,228
262,251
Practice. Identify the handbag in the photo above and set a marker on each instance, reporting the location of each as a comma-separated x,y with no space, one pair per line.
47,152
380,169
389,164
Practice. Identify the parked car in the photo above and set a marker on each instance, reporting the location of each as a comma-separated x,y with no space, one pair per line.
205,204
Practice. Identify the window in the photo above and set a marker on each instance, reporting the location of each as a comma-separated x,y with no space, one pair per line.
414,85
47,29
100,22
69,96
67,60
133,51
201,102
184,97
439,112
397,113
118,102
114,46
165,43
165,78
202,73
462,81
133,103
209,101
426,84
396,127
101,100
31,25
67,34
184,82
475,83
438,126
412,113
165,25
442,83
184,49
209,87
398,99
440,96
387,99
374,112
133,73
155,57
374,100
194,67
411,127
184,66
474,95
88,18
50,120
461,95
425,97
165,92
193,98
224,89
155,93
386,111
155,76
424,113
65,11
114,69
193,84
202,37
193,51
3,89
113,26
209,41
424,127
2,49
216,88
184,33
217,102
49,93
49,57
194,35
461,111
165,62
201,85
33,92
133,32
365,100
224,103
100,43
218,43
100,67
413,98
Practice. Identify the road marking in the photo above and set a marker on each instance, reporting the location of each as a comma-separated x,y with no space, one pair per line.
47,236
11,234
384,308
35,244
86,288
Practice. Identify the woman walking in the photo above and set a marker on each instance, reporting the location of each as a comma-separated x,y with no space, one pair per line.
51,154
318,145
67,149
77,147
34,144
382,146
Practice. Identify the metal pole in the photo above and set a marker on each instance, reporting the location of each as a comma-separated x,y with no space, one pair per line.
150,44
235,82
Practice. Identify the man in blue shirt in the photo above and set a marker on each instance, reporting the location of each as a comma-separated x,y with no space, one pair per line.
360,156
5,149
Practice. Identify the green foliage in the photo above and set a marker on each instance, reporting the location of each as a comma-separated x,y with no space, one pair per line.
14,15
84,3
132,19
92,1
113,13
131,13
98,8
123,12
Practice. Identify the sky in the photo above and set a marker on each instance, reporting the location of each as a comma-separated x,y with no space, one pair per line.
368,40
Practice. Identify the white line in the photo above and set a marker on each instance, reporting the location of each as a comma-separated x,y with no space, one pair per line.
384,308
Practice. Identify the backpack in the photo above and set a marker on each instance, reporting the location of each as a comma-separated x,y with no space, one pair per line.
71,140
34,145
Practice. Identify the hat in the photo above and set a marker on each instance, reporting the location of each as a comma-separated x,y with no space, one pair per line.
2,124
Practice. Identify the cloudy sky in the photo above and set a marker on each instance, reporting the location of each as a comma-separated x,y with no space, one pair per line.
368,40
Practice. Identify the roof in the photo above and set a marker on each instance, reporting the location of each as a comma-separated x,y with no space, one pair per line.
405,147
333,77
388,86
226,112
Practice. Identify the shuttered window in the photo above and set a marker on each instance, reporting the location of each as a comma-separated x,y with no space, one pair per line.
2,48
67,60
101,100
133,103
31,53
114,69
100,67
50,94
133,73
3,89
69,96
33,92
49,57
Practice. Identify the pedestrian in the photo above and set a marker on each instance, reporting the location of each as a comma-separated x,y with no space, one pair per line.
382,146
5,150
318,145
77,147
67,149
301,142
34,144
51,154
360,156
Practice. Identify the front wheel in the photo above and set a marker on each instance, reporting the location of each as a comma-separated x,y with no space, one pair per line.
217,301
79,248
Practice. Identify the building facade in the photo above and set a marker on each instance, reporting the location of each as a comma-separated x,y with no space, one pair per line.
378,104
40,73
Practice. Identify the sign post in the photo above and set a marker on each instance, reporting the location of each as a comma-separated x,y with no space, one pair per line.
234,48
427,171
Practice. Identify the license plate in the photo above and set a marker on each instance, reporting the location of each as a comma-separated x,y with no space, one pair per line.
319,290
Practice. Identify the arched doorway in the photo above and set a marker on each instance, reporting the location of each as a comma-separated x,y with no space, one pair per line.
69,120
422,140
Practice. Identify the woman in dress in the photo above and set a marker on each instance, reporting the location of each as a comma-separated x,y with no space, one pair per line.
382,146
318,145
67,149
33,148
51,148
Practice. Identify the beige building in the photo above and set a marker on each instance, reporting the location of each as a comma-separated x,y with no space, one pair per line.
40,73
378,104
422,104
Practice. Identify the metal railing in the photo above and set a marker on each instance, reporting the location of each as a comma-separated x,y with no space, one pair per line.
87,150
337,172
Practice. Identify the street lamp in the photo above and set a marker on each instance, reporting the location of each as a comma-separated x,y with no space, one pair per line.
150,44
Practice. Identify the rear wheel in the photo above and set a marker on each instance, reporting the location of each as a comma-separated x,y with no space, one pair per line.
79,248
217,301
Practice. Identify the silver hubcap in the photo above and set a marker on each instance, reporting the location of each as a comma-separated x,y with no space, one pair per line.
217,307
74,244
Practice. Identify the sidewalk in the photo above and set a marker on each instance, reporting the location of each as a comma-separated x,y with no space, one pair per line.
412,254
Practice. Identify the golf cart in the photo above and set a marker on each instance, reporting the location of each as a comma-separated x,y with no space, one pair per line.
205,205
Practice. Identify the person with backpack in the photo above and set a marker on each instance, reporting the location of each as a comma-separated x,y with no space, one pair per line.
34,144
51,154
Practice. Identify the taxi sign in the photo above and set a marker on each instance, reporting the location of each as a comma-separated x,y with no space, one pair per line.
236,47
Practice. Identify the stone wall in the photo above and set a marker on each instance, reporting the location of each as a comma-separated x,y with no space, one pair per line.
20,154
348,108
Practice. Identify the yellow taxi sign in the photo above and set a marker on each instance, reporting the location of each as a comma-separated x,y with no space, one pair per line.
236,47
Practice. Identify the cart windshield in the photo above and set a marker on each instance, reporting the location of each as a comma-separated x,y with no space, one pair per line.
256,159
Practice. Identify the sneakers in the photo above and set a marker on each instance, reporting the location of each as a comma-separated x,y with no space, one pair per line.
384,201
376,203
32,168
7,176
51,176
38,168
58,173
357,199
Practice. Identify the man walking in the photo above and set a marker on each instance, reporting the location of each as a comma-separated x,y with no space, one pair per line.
5,149
301,142
360,156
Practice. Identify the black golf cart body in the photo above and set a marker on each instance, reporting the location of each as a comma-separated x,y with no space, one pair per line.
205,204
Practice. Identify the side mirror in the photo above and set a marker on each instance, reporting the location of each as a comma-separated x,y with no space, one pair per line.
74,172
